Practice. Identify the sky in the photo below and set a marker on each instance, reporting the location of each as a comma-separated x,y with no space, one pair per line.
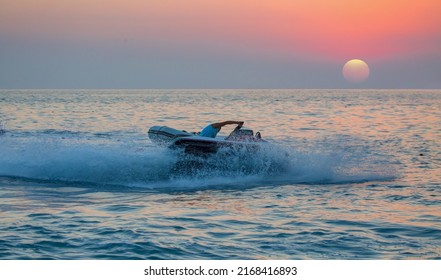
218,43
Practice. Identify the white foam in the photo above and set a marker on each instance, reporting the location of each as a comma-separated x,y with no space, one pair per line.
151,167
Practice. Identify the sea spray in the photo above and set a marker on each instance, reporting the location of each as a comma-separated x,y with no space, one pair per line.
130,164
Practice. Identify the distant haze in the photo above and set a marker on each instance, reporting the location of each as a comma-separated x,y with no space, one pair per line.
218,44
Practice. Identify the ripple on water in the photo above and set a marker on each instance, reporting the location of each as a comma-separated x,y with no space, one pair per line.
121,208
362,177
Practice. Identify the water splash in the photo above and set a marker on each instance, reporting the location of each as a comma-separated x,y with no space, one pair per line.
134,165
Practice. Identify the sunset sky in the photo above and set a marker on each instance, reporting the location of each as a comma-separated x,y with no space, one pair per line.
218,44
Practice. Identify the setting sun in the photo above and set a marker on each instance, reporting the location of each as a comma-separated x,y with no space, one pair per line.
356,71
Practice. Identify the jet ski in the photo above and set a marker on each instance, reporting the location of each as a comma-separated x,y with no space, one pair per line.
192,143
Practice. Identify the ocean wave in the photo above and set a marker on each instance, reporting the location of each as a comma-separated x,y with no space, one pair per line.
133,165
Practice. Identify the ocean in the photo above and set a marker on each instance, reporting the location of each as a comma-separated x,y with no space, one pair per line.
346,174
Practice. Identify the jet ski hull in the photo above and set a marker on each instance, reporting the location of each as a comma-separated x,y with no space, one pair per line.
194,144
164,135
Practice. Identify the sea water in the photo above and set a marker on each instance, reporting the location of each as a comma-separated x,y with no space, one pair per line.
346,174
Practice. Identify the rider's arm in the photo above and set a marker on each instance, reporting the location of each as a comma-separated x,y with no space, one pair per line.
221,124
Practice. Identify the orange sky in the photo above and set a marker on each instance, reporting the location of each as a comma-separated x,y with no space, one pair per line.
329,29
319,30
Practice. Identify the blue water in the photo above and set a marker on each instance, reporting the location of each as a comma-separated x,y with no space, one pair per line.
347,174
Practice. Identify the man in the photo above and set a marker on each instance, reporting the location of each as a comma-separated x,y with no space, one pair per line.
213,129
